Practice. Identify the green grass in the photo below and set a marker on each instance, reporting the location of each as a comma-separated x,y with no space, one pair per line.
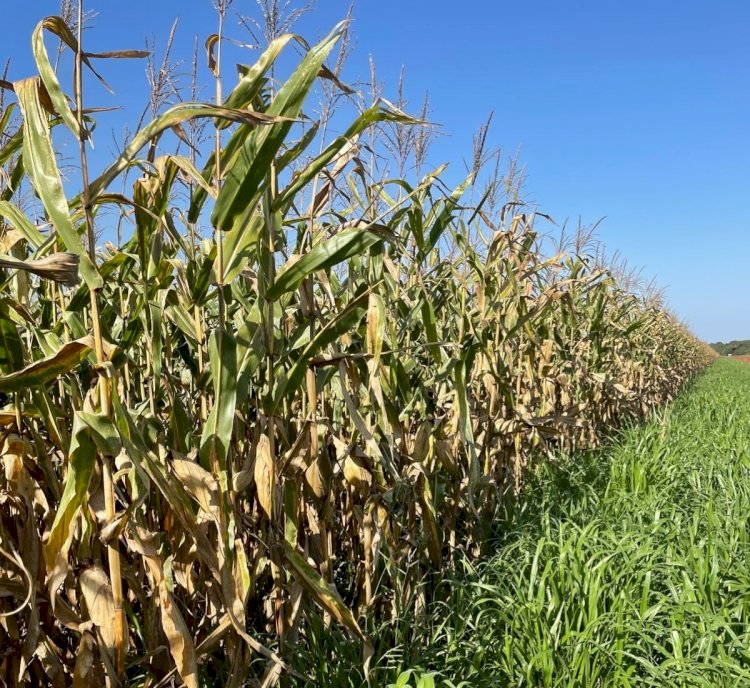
625,567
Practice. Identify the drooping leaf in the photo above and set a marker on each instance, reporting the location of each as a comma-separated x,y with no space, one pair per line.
178,635
40,372
169,487
320,590
97,592
47,73
59,267
80,468
176,115
39,160
198,483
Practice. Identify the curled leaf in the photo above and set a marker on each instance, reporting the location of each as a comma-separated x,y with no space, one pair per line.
70,356
40,163
58,267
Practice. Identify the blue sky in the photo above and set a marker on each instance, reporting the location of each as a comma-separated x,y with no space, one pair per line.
634,111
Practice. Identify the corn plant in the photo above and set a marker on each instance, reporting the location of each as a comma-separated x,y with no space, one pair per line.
210,440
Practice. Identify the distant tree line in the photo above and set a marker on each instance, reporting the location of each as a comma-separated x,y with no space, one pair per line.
738,347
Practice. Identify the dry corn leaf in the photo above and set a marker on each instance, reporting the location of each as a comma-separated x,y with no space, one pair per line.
321,591
265,475
97,592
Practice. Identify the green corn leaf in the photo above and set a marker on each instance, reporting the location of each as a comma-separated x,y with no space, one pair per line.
369,117
17,218
191,171
47,73
199,274
218,430
14,144
40,163
6,117
247,177
251,349
293,151
244,95
16,176
345,321
180,316
326,254
177,115
39,373
103,432
430,326
180,429
11,349
240,243
446,214
246,91
80,468
228,159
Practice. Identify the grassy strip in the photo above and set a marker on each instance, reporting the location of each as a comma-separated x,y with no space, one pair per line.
625,567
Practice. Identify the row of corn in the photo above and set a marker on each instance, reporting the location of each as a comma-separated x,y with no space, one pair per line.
295,391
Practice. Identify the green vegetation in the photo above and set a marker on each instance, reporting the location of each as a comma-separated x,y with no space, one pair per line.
299,392
622,567
737,347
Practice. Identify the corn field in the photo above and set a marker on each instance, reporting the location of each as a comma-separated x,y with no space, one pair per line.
297,390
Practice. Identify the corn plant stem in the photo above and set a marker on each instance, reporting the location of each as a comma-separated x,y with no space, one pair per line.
219,234
56,316
311,389
217,466
18,407
276,567
312,395
197,316
217,179
113,551
197,319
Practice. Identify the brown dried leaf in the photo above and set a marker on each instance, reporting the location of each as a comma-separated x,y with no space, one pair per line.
97,592
84,666
199,484
181,644
356,473
265,475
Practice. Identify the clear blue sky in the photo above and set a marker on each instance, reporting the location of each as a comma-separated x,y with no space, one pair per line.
638,111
